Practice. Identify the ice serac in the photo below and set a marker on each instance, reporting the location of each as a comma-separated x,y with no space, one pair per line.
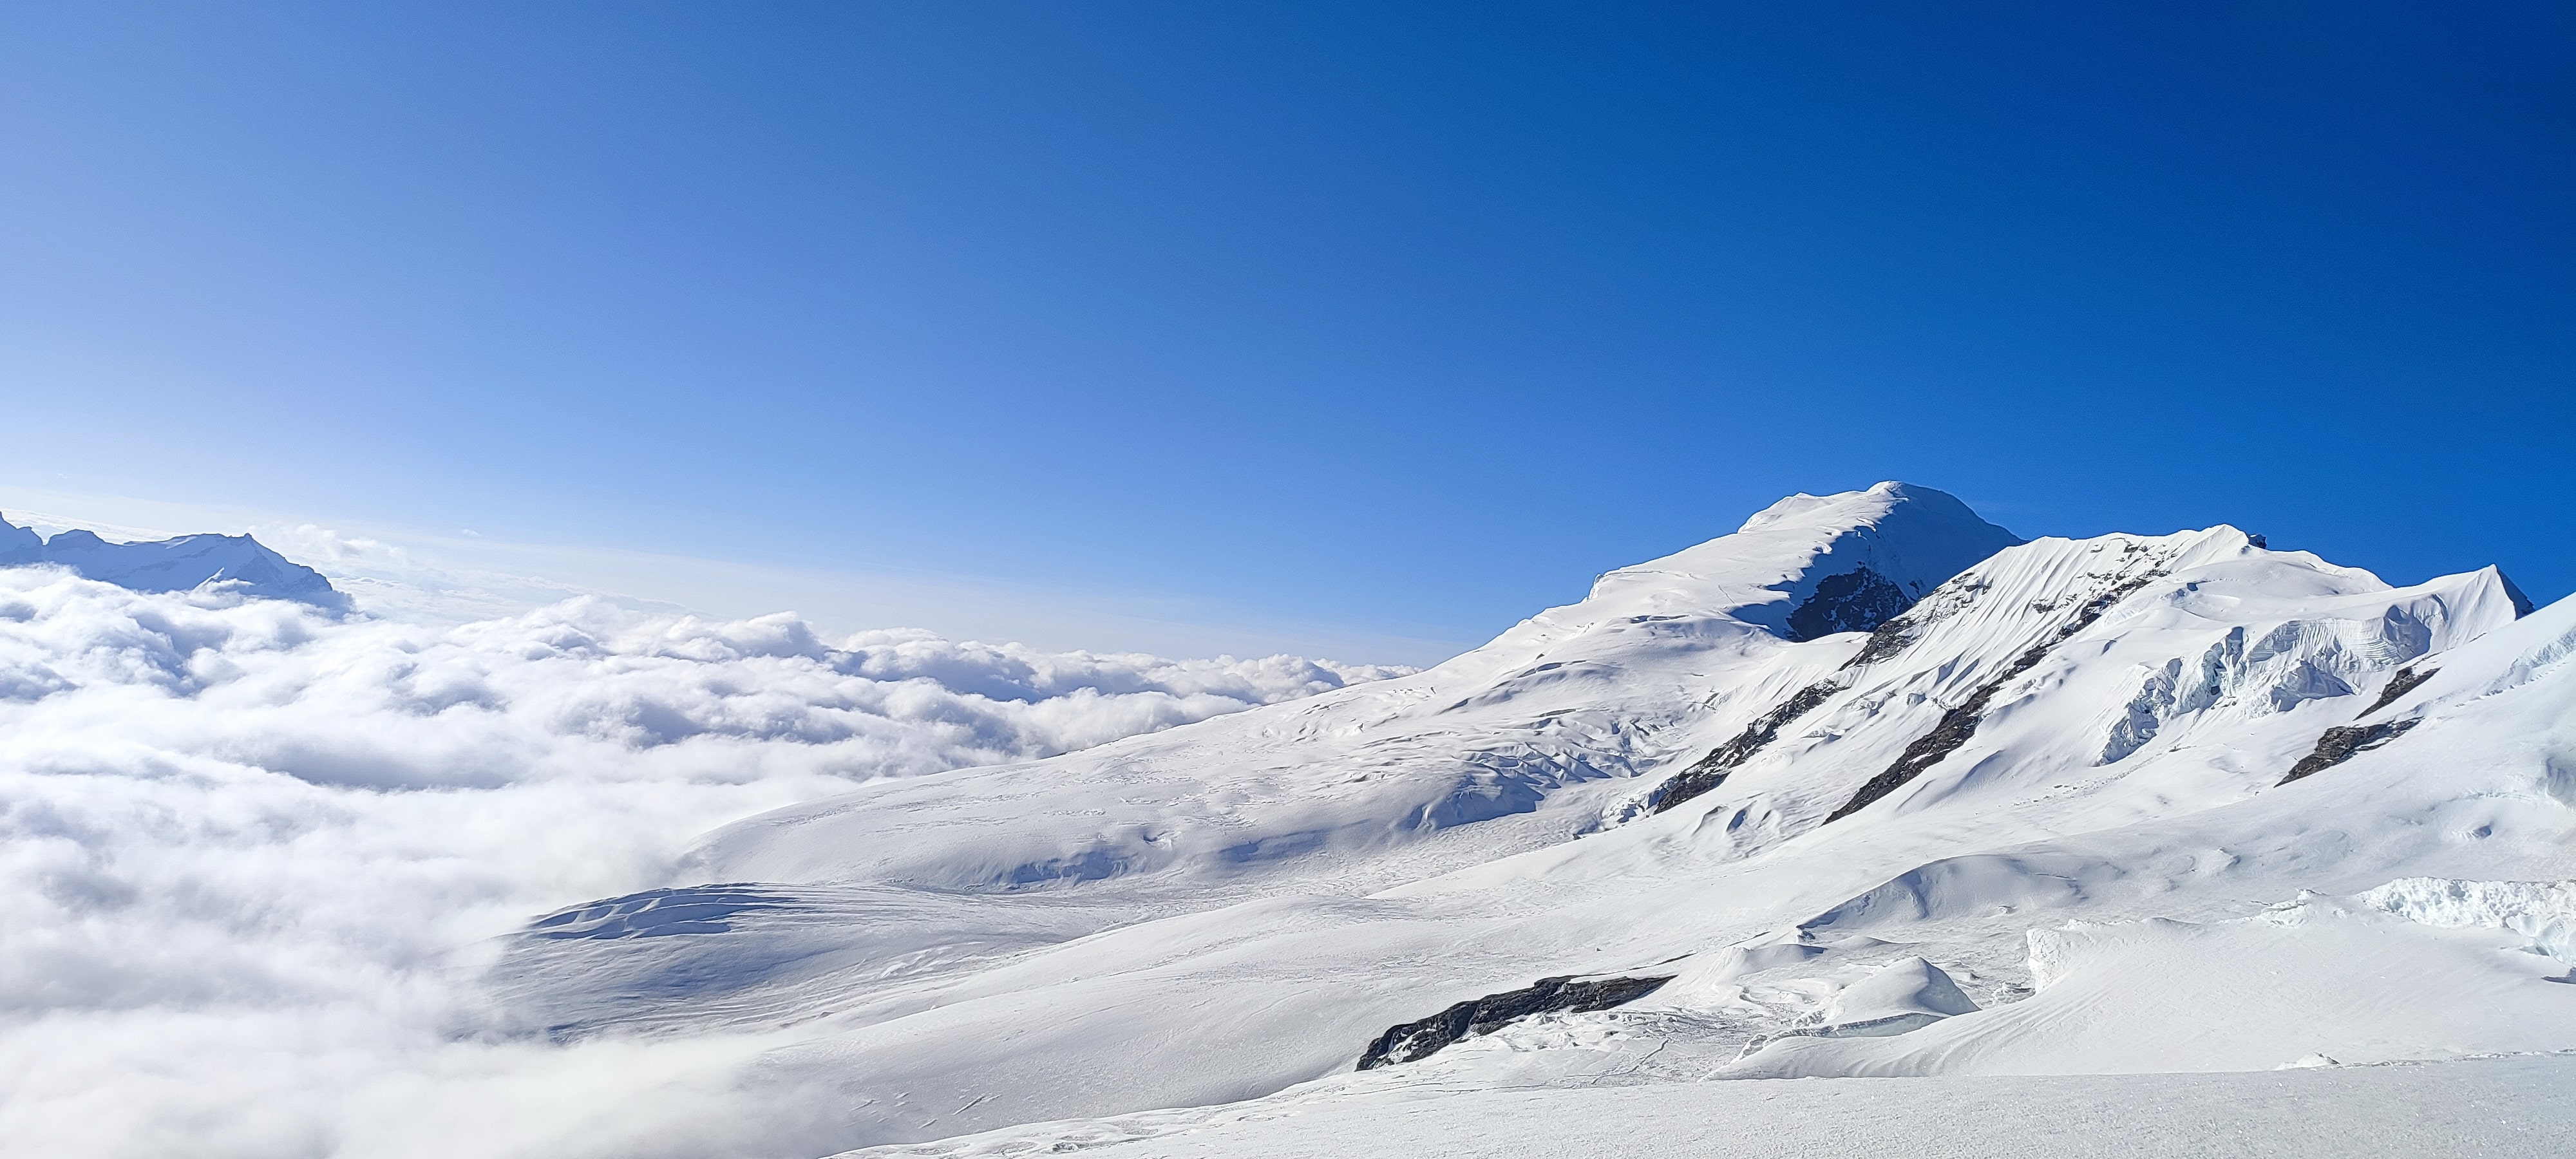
172,565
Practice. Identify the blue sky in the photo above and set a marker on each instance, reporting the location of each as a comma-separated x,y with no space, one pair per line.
1395,320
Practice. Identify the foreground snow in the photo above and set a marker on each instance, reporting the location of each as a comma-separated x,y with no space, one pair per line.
2504,1108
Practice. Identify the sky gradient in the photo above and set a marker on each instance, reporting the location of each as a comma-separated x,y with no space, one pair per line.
1396,322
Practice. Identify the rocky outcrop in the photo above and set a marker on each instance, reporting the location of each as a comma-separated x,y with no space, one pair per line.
2340,744
1855,601
1891,634
2407,680
1898,633
1408,1041
1711,770
1889,639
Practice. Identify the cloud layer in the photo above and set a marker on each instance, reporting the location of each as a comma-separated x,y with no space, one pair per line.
250,852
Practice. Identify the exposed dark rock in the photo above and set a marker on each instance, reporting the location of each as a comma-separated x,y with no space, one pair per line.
1960,723
1890,639
1408,1041
2407,680
1896,634
1711,770
2339,744
1855,601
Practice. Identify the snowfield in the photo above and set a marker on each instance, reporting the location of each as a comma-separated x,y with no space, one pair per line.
2134,845
2517,1108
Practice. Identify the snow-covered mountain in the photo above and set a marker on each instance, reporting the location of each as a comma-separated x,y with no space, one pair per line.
1869,787
2098,832
173,565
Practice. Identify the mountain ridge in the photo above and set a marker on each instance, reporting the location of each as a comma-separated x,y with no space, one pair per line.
2059,729
180,563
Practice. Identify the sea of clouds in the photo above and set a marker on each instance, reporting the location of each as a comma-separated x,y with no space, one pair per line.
254,856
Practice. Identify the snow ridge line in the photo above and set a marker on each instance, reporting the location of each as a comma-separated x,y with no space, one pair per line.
1892,636
1959,724
1712,769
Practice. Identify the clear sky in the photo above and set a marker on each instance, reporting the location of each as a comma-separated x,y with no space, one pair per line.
1399,319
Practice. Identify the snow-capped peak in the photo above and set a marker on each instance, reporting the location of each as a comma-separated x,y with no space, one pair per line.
1811,565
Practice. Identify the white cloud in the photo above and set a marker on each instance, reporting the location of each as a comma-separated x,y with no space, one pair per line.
420,574
250,852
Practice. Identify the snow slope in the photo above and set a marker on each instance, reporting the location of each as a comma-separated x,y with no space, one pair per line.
2059,847
2513,1108
1603,689
1877,878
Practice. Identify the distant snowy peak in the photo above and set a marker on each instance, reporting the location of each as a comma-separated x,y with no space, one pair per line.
20,545
173,565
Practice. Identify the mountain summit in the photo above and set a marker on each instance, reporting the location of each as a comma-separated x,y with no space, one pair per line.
1845,563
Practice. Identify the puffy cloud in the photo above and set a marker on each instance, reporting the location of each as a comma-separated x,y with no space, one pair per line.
251,854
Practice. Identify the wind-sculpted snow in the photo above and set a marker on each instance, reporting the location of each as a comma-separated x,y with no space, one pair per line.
2544,911
251,853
